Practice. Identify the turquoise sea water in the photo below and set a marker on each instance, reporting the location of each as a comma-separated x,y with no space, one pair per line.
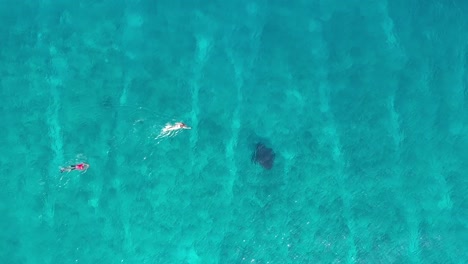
364,103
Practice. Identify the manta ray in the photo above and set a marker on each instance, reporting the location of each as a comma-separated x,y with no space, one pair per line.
264,156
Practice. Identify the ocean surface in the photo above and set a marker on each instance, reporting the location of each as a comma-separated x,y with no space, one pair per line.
364,102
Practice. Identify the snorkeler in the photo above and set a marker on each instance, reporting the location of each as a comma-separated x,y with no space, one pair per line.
171,130
176,126
79,166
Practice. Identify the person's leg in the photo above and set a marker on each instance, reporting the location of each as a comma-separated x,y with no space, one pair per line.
66,169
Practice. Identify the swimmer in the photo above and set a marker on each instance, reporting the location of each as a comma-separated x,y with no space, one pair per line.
79,166
171,130
174,127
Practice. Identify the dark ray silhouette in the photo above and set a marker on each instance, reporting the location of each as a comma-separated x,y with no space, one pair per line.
264,156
